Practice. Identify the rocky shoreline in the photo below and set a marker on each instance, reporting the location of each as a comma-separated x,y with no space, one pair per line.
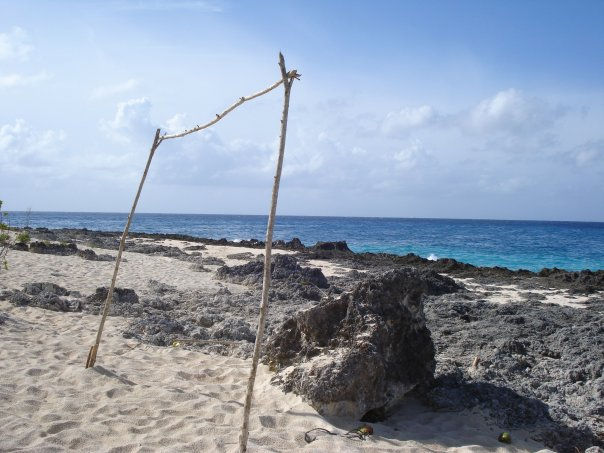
528,363
577,282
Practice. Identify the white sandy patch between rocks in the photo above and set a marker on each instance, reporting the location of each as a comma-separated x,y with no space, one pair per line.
503,294
75,273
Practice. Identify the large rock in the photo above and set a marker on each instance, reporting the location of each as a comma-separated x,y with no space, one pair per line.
364,351
156,329
90,255
46,295
294,244
288,277
339,246
125,302
49,248
155,249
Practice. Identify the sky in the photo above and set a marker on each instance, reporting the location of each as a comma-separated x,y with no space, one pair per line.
438,109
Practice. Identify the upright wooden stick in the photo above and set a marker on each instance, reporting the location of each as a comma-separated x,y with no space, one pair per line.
94,349
288,79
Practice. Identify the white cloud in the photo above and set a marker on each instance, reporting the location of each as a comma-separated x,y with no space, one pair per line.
511,111
502,184
411,156
14,45
589,153
131,123
176,123
23,149
409,118
204,158
111,90
17,80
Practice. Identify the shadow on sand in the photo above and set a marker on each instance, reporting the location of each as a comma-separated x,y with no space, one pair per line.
105,372
462,415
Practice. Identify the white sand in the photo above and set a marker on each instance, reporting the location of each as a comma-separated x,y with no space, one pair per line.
503,294
145,398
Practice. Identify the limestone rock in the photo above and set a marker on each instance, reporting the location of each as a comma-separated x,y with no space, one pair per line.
49,248
46,295
289,279
125,302
363,351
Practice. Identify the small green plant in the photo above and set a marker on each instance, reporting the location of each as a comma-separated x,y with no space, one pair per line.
23,237
4,239
27,217
7,241
3,226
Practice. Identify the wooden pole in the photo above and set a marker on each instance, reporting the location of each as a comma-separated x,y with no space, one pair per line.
94,349
288,79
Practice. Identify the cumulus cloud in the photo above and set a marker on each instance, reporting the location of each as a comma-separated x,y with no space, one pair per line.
16,80
112,90
24,149
409,118
588,153
411,156
177,123
503,184
205,158
511,111
131,123
14,45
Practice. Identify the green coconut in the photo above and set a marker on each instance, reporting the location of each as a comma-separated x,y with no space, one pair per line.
505,438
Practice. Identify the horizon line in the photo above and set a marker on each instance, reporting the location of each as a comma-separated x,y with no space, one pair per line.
319,216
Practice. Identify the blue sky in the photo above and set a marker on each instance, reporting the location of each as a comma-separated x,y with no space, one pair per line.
409,109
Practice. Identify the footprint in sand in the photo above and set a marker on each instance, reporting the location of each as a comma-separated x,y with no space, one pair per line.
112,393
58,427
36,372
268,421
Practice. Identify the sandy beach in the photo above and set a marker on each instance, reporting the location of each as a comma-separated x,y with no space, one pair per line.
143,397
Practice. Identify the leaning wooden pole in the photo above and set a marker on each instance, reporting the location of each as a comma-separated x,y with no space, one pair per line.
288,79
94,349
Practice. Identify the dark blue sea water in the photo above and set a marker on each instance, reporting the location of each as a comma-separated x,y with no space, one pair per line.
514,244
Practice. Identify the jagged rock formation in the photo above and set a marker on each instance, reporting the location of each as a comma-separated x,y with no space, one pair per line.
125,302
46,295
48,248
289,279
91,255
363,351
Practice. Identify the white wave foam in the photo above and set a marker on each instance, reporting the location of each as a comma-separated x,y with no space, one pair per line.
432,257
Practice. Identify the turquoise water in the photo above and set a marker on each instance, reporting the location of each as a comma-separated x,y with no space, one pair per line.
510,243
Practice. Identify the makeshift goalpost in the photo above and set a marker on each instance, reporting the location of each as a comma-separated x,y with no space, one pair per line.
287,79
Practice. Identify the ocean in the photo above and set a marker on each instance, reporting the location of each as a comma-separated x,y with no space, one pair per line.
514,244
